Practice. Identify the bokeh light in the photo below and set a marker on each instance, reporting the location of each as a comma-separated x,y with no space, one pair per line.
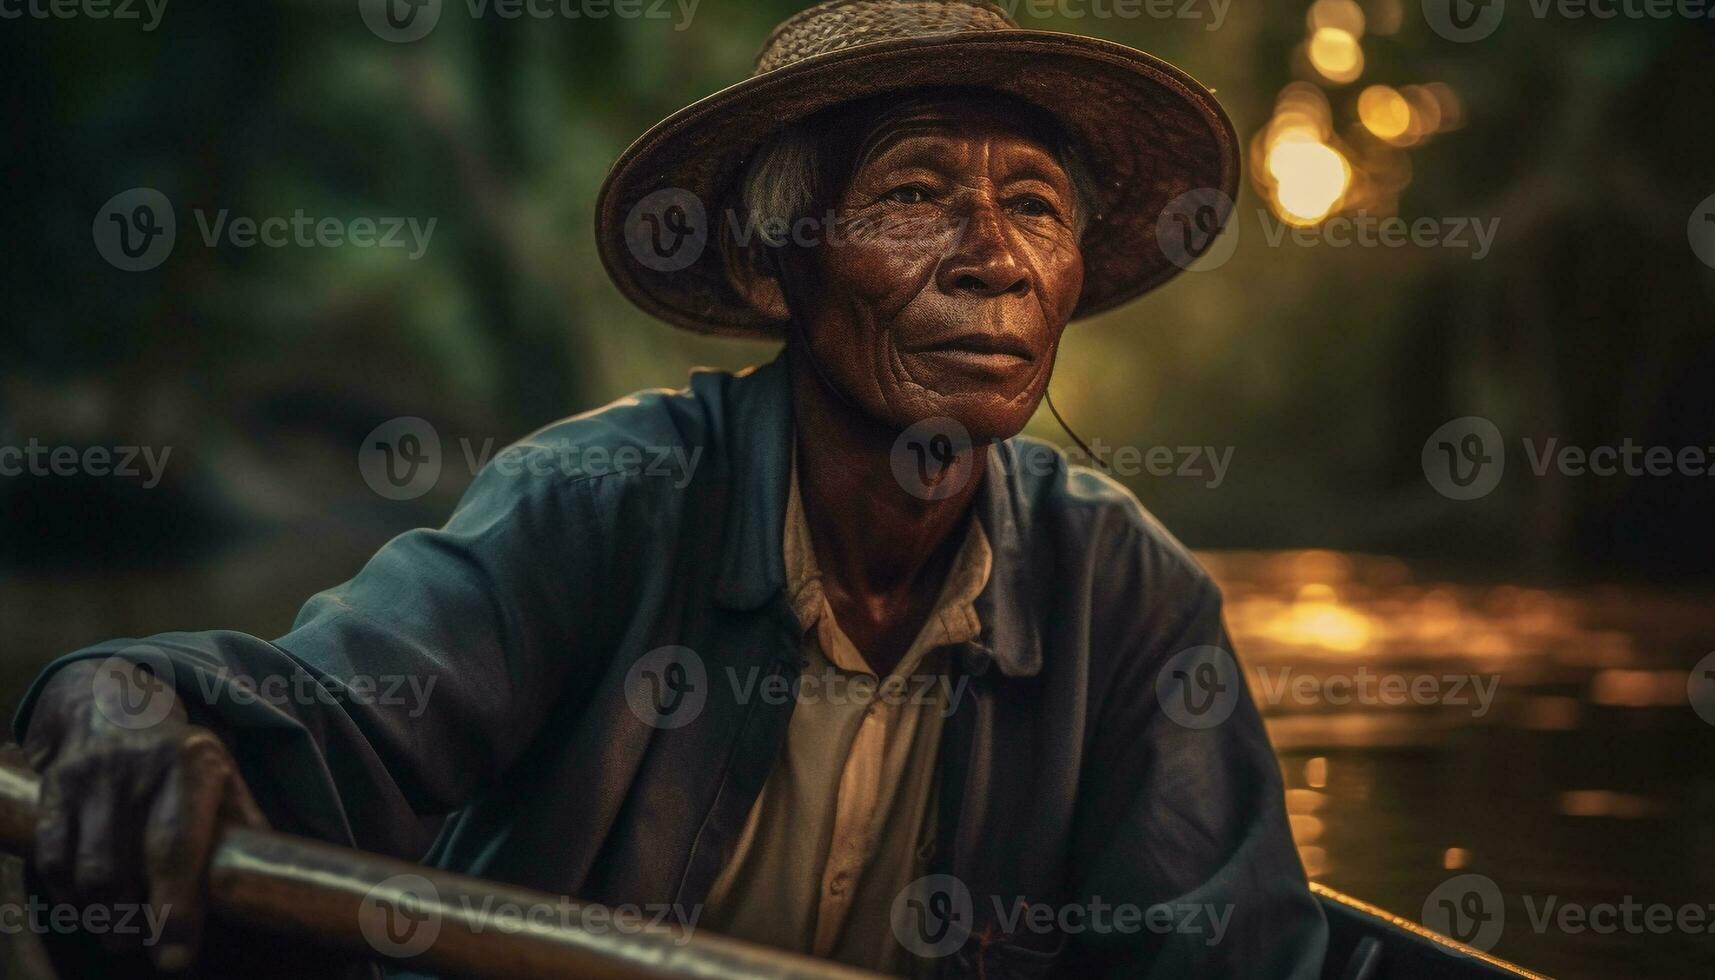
1385,112
1336,55
1310,178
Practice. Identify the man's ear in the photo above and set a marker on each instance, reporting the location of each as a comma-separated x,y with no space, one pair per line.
752,274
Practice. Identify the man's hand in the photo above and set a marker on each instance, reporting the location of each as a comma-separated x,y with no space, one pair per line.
132,797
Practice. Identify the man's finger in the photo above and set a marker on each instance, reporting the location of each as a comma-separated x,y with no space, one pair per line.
176,848
56,835
104,871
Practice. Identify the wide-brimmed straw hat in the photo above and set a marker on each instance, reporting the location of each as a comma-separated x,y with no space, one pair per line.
1152,138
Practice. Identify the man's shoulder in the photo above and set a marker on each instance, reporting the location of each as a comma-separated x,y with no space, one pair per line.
651,440
1093,513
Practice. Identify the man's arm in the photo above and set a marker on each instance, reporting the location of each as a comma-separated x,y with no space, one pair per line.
397,696
1182,807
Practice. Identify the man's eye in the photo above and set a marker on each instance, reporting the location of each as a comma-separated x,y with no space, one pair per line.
909,194
1034,206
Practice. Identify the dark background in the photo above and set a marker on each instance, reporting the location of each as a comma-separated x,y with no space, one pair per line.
1324,369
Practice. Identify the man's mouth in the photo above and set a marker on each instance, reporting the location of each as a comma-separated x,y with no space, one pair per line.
997,351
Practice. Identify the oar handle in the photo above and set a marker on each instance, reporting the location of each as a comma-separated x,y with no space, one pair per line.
452,923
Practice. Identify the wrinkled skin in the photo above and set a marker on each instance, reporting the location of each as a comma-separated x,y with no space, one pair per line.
957,271
129,807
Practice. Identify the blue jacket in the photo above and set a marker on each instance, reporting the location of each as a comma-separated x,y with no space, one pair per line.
1065,779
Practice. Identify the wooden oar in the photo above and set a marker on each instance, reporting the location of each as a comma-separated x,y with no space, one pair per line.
451,923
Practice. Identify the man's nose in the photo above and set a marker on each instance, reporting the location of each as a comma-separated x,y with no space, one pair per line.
983,263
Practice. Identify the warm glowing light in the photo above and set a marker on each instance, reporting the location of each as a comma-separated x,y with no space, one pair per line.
1425,110
1310,178
1455,858
1343,15
1384,112
1305,828
1606,803
1315,860
1638,688
1335,53
1316,772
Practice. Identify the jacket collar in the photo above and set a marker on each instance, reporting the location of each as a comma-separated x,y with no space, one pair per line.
758,418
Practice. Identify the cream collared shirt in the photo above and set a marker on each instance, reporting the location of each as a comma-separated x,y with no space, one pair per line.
843,823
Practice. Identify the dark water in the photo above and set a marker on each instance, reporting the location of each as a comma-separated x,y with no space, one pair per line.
1547,740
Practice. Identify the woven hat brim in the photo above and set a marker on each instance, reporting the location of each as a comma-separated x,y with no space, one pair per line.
1150,132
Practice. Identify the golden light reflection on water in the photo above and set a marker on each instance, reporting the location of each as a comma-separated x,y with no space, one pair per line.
1380,793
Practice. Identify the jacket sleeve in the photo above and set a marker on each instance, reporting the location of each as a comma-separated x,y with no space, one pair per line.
398,696
1182,814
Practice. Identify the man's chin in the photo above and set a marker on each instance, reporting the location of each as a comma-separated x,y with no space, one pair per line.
985,417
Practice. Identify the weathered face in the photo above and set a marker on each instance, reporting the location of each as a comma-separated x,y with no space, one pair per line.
950,274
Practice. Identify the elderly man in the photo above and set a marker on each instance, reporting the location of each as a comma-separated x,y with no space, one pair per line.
876,680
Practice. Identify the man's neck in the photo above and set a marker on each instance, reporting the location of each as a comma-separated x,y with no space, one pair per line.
883,551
